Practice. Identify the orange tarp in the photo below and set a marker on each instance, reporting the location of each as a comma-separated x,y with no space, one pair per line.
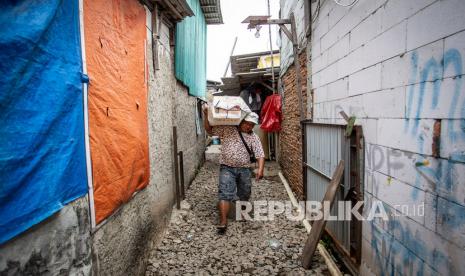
115,34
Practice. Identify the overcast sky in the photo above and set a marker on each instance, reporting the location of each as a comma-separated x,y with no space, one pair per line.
221,37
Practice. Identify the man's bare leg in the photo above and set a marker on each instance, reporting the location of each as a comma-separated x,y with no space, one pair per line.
223,208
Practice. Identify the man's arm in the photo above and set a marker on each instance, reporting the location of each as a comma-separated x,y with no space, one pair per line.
206,124
261,167
260,155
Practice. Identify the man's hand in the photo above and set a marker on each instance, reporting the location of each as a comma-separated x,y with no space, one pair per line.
206,124
261,168
205,109
259,175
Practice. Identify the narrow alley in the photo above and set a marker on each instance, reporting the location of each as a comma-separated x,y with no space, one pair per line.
190,245
131,129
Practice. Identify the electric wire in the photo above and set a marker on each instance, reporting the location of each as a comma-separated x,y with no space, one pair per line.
346,5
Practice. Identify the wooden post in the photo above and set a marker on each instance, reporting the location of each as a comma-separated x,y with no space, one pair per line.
298,74
229,61
181,174
155,38
176,171
319,225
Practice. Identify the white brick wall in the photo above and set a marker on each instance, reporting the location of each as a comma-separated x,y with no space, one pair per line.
437,21
366,80
385,104
398,66
456,42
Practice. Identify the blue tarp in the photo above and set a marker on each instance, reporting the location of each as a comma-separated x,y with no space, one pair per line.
42,152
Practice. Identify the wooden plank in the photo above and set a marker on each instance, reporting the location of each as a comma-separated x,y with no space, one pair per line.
155,38
319,225
266,85
298,74
176,169
286,31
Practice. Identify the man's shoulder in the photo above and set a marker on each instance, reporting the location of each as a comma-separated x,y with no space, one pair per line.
221,130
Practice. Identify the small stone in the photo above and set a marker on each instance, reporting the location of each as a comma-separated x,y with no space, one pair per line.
274,244
189,237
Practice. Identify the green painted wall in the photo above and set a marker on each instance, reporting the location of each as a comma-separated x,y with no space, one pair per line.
191,51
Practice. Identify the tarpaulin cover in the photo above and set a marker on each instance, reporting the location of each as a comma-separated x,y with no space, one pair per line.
42,152
271,114
191,51
115,34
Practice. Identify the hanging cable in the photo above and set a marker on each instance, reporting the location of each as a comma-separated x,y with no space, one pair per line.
317,12
346,5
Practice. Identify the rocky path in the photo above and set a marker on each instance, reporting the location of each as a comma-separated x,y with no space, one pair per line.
191,246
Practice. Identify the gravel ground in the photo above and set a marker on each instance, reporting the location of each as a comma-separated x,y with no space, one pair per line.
191,245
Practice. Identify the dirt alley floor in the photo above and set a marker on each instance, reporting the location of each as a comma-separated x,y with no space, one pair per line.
191,245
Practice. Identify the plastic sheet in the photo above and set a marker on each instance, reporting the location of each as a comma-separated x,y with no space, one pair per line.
115,34
42,152
271,114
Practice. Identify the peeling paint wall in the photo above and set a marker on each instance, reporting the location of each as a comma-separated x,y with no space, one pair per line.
398,67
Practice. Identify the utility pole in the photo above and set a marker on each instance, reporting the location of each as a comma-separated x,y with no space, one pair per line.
271,52
292,36
229,59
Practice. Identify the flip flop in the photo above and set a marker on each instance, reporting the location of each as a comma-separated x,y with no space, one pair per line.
221,229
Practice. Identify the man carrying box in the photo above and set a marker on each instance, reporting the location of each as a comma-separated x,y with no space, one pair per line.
240,148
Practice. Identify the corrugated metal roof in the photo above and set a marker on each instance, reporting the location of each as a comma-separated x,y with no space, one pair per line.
245,71
212,11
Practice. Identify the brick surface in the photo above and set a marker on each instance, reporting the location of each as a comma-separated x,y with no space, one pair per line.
290,136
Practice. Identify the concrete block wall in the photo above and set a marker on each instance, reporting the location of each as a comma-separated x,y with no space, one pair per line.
190,142
398,67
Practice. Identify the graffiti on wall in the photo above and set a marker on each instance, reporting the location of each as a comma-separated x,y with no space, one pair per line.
439,176
390,242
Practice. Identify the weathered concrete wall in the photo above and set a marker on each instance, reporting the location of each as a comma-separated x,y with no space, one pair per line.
398,67
290,139
191,143
59,245
63,244
121,245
